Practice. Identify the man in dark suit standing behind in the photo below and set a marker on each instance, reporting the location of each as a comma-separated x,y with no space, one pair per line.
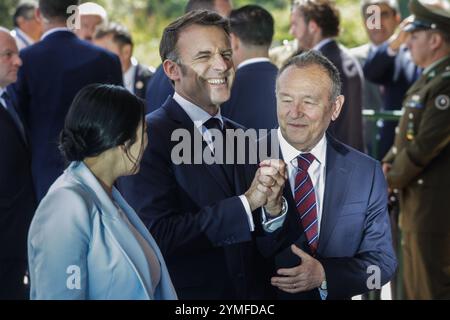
315,23
117,39
17,199
53,71
201,214
252,101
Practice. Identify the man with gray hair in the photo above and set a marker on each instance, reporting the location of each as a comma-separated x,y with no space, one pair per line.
17,198
27,28
336,231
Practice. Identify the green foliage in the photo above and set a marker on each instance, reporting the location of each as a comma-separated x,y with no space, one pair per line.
6,13
146,20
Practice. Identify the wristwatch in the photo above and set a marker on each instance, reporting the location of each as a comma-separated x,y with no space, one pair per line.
284,209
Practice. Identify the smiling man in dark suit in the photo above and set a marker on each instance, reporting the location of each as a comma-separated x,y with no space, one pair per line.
17,199
336,233
201,214
53,71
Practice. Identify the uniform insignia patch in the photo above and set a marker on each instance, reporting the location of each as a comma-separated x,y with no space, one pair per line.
442,102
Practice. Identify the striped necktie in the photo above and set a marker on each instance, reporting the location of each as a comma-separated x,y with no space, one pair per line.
305,200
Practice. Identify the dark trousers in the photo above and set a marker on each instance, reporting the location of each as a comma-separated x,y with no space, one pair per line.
12,274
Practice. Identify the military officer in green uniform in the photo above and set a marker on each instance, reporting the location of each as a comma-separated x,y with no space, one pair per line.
418,164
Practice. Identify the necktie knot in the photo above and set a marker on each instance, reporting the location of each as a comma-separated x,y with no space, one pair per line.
5,96
213,123
304,160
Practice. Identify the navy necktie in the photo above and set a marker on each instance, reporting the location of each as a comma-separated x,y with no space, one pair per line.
14,115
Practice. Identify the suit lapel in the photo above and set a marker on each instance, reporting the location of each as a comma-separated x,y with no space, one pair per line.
216,171
338,174
14,125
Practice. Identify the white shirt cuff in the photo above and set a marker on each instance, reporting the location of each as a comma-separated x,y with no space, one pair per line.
323,294
271,225
248,211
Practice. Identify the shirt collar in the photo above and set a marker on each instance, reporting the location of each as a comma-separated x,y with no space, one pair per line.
19,33
49,32
322,43
197,114
128,77
290,153
252,60
434,64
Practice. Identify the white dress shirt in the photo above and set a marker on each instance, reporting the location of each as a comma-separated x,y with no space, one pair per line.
322,43
251,61
22,39
58,29
316,170
199,117
128,77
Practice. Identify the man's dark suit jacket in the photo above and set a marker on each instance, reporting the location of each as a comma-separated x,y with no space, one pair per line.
348,127
395,74
17,206
354,231
253,102
158,89
142,77
195,214
53,72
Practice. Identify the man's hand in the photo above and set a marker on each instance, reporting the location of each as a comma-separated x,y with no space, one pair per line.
275,180
267,186
399,38
304,277
386,168
257,193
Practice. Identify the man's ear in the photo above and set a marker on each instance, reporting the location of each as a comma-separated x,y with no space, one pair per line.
38,15
312,26
435,41
172,70
235,42
337,107
127,51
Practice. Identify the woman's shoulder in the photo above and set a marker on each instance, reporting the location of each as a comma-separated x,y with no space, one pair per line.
67,197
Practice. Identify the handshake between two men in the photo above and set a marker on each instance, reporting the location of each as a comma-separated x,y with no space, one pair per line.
266,191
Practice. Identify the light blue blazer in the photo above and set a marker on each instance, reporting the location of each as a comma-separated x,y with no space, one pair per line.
80,248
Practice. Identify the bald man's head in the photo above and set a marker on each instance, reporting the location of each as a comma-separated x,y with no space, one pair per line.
9,58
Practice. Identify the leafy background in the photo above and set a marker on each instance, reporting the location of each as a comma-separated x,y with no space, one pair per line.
146,20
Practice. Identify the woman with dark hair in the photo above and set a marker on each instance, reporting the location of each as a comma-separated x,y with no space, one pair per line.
85,241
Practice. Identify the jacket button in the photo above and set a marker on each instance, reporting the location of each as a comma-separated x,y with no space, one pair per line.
420,182
411,116
397,130
394,150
